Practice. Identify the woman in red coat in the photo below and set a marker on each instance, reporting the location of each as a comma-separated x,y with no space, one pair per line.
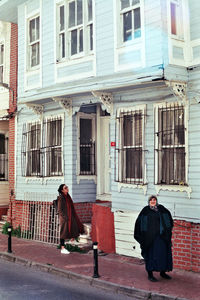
70,225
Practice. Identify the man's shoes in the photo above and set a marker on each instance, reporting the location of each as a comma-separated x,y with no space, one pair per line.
152,278
164,275
64,251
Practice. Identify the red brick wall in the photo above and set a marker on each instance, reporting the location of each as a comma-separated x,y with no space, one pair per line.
186,245
12,109
84,211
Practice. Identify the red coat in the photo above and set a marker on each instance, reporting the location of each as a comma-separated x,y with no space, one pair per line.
70,225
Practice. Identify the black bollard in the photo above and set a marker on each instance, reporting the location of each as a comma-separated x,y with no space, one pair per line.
9,239
95,250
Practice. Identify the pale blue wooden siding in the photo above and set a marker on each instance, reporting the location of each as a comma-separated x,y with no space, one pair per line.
104,22
48,42
194,19
179,203
154,41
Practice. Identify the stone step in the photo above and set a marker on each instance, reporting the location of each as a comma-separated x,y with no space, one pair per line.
87,228
84,238
4,218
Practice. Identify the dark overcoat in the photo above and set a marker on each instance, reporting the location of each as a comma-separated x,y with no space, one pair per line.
70,225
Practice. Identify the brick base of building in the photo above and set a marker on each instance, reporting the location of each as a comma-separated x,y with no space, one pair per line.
186,246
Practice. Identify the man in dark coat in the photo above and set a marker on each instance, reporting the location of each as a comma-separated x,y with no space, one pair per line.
70,225
153,231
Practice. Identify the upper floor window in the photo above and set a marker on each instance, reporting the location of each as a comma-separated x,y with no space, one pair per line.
130,19
130,151
42,148
75,28
34,42
1,61
176,18
170,145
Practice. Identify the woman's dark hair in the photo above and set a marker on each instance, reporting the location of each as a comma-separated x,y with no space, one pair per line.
151,197
60,188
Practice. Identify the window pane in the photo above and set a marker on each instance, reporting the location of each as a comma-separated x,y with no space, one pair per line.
125,4
62,18
134,2
173,18
127,131
79,12
35,55
127,18
37,28
134,163
91,37
137,23
85,131
72,14
81,40
73,42
1,54
2,144
62,45
89,10
1,73
32,30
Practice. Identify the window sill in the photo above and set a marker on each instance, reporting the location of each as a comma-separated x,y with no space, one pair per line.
174,188
129,43
44,180
86,177
74,59
132,186
177,38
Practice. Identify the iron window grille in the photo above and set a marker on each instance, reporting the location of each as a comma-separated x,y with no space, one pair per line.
170,140
42,149
87,147
3,158
129,164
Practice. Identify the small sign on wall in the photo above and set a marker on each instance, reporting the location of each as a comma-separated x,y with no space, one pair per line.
112,144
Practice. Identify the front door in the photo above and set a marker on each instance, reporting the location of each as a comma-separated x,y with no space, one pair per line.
103,158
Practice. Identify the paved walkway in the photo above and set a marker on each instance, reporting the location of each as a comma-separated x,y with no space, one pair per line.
121,274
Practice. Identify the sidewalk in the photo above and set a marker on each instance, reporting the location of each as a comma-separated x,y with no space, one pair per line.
121,274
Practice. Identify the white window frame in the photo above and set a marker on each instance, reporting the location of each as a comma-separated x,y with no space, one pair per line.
156,108
92,117
38,147
31,44
128,110
66,31
2,55
178,19
131,9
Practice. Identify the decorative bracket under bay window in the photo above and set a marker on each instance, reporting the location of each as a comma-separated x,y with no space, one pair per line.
37,108
106,99
178,88
65,103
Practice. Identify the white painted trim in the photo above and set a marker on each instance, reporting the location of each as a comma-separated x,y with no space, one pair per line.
174,188
143,187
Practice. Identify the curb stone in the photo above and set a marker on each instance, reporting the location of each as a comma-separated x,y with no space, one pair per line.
138,294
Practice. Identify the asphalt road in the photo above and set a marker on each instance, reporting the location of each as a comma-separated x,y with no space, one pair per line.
20,283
